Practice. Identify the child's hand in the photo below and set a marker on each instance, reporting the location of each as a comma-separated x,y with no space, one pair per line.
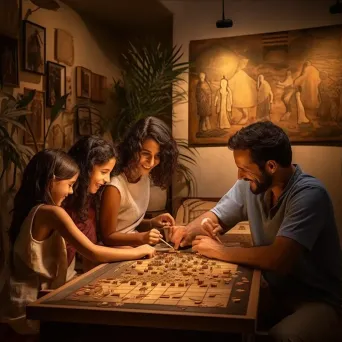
152,237
162,220
145,250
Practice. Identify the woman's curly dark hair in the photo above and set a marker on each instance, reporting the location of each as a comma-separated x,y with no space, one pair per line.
130,147
87,152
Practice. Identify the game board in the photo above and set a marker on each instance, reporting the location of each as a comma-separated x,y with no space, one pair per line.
181,291
169,281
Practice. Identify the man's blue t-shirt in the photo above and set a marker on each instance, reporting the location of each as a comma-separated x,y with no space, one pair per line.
304,213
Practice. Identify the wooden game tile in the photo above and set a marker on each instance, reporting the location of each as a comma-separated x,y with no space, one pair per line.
174,293
193,298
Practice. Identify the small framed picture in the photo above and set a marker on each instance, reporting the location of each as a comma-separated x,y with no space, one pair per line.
83,83
64,47
9,73
98,88
84,125
55,82
36,120
34,47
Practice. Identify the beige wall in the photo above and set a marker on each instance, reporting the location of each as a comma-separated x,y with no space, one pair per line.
194,20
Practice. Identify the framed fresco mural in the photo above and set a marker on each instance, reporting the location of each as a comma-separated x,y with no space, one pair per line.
55,82
292,78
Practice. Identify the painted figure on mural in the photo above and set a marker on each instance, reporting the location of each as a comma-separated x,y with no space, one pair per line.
244,92
203,100
264,99
223,104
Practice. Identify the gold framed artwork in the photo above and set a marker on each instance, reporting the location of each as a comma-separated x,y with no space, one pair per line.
64,47
293,78
83,83
98,88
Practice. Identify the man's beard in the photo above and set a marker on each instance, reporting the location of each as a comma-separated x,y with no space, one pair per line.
263,185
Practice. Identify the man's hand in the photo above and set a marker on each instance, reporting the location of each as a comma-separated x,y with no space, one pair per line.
180,236
208,247
211,228
162,220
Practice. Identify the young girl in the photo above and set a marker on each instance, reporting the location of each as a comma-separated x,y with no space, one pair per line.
147,152
37,233
95,158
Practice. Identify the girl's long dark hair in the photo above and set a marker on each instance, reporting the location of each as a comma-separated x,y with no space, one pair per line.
87,152
130,147
34,189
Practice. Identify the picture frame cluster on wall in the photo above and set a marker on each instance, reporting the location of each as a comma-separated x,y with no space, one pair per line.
89,86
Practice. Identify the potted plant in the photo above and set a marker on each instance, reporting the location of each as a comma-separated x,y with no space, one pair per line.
150,86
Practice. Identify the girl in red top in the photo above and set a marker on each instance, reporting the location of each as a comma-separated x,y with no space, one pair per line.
95,158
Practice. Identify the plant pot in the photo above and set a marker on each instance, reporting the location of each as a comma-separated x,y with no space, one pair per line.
158,199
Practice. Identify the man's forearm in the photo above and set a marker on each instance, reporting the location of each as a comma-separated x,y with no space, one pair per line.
195,225
256,257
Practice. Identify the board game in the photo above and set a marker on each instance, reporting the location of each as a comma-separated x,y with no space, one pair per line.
170,281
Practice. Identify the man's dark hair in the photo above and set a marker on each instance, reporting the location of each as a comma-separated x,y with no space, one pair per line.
265,141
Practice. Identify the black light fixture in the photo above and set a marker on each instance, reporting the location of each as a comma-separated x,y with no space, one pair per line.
46,4
224,23
336,8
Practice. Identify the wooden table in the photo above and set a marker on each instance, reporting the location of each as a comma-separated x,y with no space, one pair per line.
86,320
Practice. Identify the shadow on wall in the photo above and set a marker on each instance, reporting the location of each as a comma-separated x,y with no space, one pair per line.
113,40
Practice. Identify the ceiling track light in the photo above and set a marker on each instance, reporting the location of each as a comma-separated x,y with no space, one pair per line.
224,23
336,8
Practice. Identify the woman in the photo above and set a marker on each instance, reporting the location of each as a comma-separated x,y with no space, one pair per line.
148,152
